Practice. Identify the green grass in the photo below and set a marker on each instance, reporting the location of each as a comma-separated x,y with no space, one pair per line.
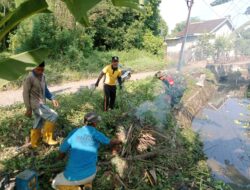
66,69
181,165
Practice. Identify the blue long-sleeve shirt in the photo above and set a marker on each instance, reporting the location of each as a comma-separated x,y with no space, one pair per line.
48,94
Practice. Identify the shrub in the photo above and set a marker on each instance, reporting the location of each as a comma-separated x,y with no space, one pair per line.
42,31
152,43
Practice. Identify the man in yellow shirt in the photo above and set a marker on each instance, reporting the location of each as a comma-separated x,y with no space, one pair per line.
112,74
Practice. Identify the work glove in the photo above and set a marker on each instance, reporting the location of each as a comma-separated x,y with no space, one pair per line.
96,84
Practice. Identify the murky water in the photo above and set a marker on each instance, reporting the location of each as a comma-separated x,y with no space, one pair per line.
224,129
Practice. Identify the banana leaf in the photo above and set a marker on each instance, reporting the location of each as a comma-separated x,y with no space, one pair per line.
219,2
18,2
13,67
26,9
135,4
80,8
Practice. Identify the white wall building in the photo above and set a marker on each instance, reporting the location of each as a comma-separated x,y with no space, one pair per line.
218,27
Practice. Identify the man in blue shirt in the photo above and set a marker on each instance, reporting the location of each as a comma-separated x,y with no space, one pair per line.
82,146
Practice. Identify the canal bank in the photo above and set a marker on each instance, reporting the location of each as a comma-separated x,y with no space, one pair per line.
219,114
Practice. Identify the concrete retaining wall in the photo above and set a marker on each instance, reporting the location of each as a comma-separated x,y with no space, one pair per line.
194,104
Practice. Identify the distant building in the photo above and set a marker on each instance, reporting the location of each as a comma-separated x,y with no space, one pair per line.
217,27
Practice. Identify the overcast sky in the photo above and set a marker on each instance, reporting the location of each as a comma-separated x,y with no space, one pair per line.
174,11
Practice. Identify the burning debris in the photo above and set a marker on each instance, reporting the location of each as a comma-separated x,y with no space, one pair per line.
146,140
155,112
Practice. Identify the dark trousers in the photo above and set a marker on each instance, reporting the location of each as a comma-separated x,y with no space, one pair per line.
109,96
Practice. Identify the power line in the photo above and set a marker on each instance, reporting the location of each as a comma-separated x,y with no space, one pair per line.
233,3
231,7
218,15
223,16
208,5
239,11
239,8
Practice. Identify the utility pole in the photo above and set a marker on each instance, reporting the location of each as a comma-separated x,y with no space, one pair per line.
189,5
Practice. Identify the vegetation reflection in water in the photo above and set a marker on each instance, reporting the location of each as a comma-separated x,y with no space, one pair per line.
225,132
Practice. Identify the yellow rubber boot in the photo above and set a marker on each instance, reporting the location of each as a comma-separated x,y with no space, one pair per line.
48,131
67,187
35,135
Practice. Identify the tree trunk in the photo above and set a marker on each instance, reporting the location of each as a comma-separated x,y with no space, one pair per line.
4,39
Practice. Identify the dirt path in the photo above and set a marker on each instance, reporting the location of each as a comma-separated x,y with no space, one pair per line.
15,96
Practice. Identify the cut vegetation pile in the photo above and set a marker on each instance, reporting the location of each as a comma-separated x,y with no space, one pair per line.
153,155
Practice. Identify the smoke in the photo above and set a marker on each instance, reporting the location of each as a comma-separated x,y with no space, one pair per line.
154,113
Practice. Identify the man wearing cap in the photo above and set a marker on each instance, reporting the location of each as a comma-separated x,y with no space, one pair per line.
82,147
112,74
35,92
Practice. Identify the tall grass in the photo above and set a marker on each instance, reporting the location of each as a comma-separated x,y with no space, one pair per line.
182,167
141,60
137,60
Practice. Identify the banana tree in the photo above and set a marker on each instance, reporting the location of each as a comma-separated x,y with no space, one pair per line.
78,8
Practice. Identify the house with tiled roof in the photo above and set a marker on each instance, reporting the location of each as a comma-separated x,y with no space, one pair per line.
217,27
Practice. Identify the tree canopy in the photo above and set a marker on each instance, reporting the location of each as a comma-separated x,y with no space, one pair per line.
64,30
